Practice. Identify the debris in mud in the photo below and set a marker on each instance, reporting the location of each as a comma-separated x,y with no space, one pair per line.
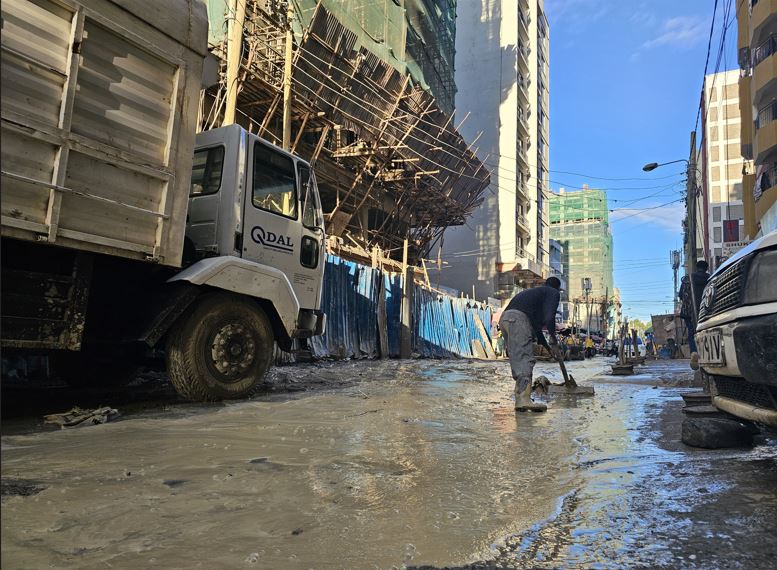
78,417
20,488
174,483
297,531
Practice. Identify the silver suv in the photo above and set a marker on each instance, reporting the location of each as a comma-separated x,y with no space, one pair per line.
737,332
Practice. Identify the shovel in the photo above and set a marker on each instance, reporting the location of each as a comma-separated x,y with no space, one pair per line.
569,382
569,387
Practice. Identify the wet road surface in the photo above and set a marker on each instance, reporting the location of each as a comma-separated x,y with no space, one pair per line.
392,464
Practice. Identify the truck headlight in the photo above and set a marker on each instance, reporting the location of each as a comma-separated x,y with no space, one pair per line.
761,284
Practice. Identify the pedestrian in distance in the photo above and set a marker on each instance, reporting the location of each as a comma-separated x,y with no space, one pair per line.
521,323
691,290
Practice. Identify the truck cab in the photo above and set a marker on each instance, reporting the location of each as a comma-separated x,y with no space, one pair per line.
252,200
254,239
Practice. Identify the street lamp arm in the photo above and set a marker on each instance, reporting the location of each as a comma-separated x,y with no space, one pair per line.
653,165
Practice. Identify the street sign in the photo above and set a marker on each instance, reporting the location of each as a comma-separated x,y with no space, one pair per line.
730,230
731,248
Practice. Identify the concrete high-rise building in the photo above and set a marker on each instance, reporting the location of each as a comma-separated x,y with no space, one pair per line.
502,103
579,221
757,45
721,165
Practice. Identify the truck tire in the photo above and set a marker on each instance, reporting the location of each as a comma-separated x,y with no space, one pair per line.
221,349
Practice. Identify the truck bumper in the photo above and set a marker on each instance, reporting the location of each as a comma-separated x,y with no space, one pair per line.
747,347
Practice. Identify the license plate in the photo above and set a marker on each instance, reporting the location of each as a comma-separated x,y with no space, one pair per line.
710,346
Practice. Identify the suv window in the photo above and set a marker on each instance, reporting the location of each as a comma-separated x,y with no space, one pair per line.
206,171
274,186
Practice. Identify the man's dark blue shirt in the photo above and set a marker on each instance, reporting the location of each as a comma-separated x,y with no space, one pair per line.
540,305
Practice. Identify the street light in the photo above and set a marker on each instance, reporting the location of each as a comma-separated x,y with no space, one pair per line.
653,165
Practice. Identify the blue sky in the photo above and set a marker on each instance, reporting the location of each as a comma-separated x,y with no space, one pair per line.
625,83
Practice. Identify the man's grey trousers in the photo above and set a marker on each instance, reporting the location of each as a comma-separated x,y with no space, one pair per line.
519,340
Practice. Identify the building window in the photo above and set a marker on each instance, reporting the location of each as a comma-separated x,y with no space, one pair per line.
716,193
732,91
733,131
734,170
715,173
736,212
731,111
735,192
717,234
713,133
716,214
733,150
714,153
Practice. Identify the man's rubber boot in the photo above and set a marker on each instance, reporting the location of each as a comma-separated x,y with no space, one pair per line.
524,403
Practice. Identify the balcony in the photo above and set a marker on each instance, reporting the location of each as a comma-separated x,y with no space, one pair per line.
765,191
523,25
766,132
762,14
523,87
523,52
522,223
765,70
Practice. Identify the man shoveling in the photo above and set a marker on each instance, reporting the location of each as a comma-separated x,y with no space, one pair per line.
522,322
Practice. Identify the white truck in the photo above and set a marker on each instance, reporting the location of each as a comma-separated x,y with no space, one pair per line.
121,230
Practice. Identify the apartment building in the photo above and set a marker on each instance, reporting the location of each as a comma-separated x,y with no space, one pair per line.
757,45
722,167
502,106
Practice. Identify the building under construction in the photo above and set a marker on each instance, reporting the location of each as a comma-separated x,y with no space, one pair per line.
579,221
371,104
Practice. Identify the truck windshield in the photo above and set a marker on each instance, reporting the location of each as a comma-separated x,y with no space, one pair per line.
274,187
206,171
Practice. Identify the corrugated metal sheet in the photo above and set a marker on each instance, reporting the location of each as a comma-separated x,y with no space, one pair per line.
443,326
350,300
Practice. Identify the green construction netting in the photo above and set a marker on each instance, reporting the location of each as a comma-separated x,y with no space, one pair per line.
580,223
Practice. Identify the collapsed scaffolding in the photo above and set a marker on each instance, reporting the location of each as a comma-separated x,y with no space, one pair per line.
392,169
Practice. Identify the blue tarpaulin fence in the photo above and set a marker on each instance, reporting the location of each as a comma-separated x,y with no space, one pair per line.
443,326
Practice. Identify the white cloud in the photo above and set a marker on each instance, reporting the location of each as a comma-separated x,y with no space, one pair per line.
680,32
664,218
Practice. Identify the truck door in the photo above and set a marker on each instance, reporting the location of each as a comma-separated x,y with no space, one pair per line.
273,231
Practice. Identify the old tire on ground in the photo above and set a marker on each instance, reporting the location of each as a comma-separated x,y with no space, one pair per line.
716,433
221,349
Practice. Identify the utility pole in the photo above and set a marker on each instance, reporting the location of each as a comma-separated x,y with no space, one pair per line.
237,16
674,259
586,286
287,79
690,253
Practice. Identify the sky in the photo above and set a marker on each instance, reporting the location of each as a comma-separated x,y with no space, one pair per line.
625,84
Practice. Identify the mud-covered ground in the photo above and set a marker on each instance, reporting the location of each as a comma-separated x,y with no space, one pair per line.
380,465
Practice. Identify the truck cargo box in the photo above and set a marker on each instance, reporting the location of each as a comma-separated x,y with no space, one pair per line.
99,110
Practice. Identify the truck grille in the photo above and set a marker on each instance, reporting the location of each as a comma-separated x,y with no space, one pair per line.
726,292
754,394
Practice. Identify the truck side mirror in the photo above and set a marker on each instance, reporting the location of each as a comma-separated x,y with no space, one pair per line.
310,217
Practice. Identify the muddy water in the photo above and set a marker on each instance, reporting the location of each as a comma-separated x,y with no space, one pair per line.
418,463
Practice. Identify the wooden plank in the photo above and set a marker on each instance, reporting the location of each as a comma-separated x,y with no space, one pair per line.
482,330
477,349
382,320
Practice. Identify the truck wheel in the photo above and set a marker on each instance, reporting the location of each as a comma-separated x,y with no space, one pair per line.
221,350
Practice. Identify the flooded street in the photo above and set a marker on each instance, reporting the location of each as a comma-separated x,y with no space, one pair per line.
410,463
